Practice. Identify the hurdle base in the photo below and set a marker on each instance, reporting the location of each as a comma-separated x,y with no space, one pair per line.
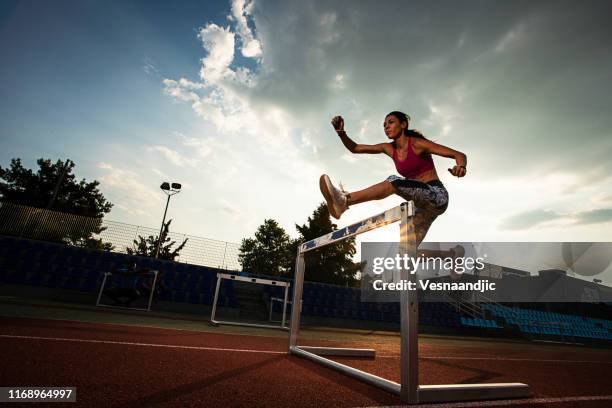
426,393
371,379
340,351
263,326
140,309
472,392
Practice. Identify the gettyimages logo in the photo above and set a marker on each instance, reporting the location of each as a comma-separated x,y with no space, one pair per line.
506,271
431,260
447,260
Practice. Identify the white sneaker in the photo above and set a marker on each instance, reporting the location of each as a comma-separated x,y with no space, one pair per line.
336,199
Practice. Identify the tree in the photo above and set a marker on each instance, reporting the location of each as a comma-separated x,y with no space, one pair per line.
92,243
55,191
333,263
273,252
267,253
23,186
148,246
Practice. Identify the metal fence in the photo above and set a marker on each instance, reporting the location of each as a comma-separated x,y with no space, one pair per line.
53,226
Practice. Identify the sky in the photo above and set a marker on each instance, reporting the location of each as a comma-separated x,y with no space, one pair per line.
233,99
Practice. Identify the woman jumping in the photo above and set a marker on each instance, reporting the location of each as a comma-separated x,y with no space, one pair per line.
411,153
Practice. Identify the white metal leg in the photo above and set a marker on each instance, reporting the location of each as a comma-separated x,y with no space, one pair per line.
409,316
102,288
216,298
298,284
152,290
284,305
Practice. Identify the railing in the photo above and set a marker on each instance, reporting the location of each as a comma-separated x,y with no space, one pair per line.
465,307
53,226
481,298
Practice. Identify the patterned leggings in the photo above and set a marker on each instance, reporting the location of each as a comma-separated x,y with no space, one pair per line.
430,200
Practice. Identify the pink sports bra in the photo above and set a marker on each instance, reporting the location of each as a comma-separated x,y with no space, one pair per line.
413,165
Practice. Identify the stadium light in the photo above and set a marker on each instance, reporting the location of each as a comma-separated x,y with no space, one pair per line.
169,190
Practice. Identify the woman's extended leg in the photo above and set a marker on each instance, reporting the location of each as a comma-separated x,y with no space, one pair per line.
376,192
339,200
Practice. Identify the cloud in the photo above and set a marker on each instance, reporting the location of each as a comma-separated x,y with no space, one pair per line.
219,97
511,38
338,82
201,146
543,218
231,210
327,24
219,44
174,157
149,68
528,219
607,199
602,215
241,10
597,174
349,158
133,195
182,89
487,79
441,117
160,173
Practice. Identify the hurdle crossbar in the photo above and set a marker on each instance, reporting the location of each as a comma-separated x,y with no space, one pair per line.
221,276
408,389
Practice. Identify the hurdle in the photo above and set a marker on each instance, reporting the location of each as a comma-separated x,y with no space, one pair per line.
129,275
221,276
280,300
408,389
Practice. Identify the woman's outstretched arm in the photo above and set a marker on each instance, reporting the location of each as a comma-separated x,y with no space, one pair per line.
338,124
427,146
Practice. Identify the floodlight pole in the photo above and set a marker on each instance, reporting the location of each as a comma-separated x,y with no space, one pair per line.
59,183
43,221
169,191
162,228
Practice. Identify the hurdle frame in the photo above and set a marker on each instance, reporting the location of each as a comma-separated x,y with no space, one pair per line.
129,275
234,277
408,389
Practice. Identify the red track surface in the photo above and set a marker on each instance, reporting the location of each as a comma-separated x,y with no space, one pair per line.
124,366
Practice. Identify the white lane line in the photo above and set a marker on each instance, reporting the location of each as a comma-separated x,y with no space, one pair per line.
444,405
535,360
514,402
127,343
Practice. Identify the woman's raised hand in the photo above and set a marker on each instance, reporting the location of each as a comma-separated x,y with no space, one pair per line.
338,123
457,171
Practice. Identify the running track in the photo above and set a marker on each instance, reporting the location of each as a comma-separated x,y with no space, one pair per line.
124,366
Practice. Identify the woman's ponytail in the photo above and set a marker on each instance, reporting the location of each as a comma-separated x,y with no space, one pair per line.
413,133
